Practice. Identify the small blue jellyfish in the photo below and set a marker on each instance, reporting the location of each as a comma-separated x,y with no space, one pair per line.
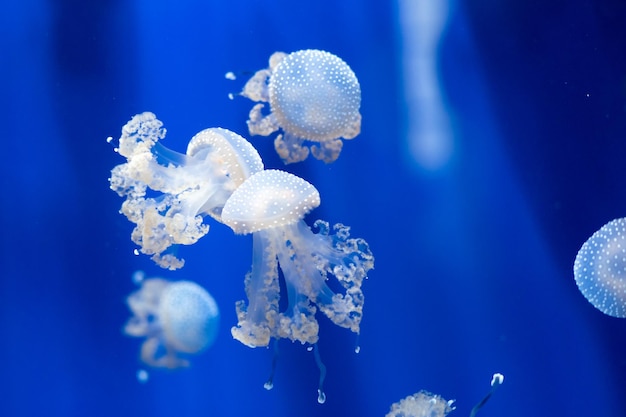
271,205
313,96
175,318
184,186
600,269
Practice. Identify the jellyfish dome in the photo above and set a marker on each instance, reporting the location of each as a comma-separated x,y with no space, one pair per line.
182,187
600,268
421,404
271,205
313,96
175,318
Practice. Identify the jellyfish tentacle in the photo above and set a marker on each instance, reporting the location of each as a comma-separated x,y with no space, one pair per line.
260,124
321,395
328,150
496,380
290,149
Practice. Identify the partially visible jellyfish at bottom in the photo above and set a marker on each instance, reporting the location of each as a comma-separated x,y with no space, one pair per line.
426,404
314,96
176,319
600,269
421,404
168,193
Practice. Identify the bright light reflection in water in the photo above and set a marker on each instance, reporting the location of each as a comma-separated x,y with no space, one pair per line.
429,135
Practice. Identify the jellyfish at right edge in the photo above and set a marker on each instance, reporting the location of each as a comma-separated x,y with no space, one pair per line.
600,269
168,193
177,319
271,205
314,96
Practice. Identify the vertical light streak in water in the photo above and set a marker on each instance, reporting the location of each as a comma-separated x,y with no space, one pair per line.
429,136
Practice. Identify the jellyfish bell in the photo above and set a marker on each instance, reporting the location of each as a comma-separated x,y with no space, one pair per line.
600,269
314,96
189,317
237,157
176,318
168,193
269,199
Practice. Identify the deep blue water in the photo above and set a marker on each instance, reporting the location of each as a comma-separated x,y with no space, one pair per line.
474,256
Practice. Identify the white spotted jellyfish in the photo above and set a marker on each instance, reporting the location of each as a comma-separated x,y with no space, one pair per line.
271,205
168,193
313,96
175,318
600,269
426,404
421,404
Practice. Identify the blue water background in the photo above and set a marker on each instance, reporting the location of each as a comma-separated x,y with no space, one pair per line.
473,269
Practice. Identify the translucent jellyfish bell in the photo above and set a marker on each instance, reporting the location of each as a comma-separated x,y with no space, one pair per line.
182,187
175,318
600,268
313,96
271,205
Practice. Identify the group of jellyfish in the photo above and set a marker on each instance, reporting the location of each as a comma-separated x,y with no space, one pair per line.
314,100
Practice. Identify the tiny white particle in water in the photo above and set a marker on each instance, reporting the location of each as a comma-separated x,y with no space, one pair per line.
497,378
142,376
138,277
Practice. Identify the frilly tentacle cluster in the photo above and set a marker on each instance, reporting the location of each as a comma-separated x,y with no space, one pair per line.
307,260
184,187
349,261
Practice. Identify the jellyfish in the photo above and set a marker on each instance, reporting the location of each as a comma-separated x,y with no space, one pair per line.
176,318
600,269
425,404
313,96
271,205
421,404
183,187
